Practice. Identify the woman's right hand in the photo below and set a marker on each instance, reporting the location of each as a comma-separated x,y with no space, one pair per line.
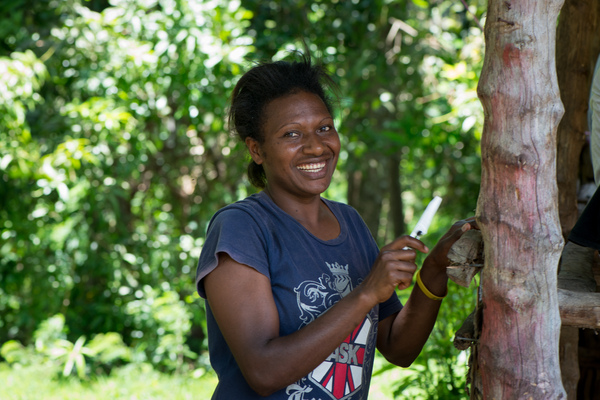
394,267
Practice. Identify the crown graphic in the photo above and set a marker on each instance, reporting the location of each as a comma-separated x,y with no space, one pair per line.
338,269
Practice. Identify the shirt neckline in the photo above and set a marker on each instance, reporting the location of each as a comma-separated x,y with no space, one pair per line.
263,197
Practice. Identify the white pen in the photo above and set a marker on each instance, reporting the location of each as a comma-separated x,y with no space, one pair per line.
423,224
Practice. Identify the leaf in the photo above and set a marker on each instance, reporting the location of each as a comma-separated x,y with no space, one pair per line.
11,351
80,364
68,366
130,258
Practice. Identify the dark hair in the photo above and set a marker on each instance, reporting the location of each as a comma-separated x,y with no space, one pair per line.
265,83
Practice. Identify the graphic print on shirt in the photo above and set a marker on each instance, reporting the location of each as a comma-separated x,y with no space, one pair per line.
315,297
340,375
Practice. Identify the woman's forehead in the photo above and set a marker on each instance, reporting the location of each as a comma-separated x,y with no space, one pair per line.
295,106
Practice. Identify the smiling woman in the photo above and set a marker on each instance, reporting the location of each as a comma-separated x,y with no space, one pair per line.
298,294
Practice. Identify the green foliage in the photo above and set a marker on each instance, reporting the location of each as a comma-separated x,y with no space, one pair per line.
54,351
16,354
440,370
166,321
114,155
106,202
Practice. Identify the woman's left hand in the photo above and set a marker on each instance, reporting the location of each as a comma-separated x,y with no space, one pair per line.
401,337
438,256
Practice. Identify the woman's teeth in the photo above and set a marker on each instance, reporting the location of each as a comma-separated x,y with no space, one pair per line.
313,167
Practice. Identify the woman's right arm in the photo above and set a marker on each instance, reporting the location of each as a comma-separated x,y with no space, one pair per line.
242,303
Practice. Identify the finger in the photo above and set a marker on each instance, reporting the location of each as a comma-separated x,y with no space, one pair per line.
402,267
472,221
455,234
407,241
399,273
404,284
404,254
462,226
474,224
405,278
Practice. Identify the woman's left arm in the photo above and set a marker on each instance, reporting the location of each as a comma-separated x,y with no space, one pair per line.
401,336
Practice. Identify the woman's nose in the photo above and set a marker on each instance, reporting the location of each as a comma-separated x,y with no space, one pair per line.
313,144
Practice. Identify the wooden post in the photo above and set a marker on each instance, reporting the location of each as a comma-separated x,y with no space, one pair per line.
517,206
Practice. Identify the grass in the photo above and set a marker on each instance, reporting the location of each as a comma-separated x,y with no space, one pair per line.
137,382
130,383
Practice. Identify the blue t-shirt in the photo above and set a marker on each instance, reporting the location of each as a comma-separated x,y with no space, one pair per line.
308,275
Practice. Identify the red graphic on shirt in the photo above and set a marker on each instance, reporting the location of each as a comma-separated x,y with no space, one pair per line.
341,373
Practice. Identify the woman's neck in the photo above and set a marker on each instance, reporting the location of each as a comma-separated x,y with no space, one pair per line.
310,212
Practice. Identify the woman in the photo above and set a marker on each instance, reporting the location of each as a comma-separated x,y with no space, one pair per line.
298,294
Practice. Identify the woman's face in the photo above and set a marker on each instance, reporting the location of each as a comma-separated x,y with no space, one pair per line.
300,148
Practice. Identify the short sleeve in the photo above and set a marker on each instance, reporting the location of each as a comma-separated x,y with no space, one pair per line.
237,233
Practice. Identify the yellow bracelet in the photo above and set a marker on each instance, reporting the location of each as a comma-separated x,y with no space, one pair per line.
425,290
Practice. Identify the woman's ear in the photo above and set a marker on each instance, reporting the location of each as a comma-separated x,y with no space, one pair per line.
254,149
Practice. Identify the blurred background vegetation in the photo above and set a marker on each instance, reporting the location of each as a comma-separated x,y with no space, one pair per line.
114,155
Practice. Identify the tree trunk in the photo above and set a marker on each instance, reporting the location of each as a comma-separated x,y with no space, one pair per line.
365,189
517,209
396,204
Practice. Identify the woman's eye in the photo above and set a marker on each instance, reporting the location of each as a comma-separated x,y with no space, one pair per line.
291,134
325,128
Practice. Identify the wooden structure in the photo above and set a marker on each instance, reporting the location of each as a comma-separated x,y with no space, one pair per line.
577,47
578,298
514,333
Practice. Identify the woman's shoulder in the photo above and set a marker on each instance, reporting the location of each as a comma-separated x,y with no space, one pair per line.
247,204
250,208
253,201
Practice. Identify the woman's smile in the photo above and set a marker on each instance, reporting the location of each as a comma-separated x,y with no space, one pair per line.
313,167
